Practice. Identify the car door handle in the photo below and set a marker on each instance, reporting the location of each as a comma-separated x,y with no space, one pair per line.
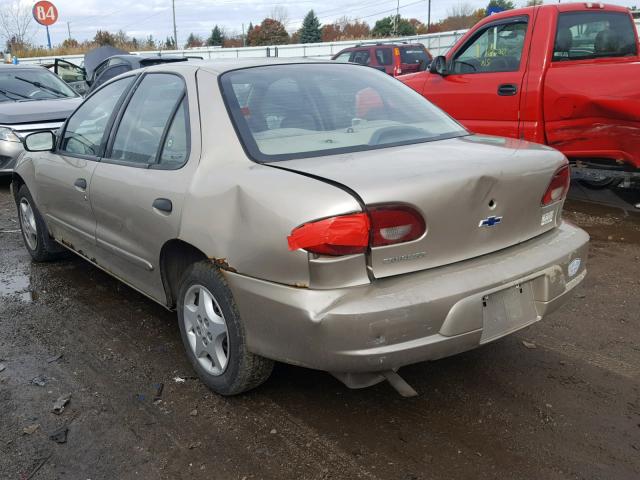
163,204
507,89
80,184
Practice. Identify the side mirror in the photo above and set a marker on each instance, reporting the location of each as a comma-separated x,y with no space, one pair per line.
39,142
439,65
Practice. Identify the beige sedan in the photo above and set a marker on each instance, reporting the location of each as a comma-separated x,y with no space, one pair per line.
313,213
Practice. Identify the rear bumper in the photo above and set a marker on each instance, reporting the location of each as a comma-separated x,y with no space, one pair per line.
409,318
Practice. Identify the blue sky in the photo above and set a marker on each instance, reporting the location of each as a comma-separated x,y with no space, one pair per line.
153,17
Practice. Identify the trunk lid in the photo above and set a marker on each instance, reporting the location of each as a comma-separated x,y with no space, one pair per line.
477,194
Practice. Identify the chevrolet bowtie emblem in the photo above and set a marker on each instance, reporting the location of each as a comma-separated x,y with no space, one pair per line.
490,222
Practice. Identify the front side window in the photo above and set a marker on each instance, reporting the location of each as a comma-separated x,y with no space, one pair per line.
585,35
343,57
310,110
86,127
497,49
147,116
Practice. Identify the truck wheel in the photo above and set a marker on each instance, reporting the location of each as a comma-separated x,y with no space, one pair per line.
213,334
601,183
34,231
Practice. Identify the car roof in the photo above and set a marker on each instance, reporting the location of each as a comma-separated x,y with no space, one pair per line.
222,66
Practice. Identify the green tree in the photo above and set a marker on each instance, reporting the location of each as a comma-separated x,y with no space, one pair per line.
502,4
392,25
217,38
170,43
310,31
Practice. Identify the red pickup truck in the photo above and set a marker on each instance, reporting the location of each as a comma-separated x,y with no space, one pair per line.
565,75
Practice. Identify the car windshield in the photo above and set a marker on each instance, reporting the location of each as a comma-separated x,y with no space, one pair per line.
284,112
414,55
25,84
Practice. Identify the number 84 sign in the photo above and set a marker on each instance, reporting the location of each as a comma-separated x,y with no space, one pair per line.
45,13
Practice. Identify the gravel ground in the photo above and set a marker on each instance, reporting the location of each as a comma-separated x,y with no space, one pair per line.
565,407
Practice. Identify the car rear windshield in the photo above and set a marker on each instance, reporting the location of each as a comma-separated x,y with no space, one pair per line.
414,54
26,84
282,112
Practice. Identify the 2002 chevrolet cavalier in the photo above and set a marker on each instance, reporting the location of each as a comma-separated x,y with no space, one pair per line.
319,214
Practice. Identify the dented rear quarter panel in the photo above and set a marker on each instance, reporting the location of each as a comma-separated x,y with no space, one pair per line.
242,211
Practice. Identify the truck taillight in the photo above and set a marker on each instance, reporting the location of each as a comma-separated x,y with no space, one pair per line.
558,187
395,224
355,232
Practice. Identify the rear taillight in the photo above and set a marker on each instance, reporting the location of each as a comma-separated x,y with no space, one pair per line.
343,235
395,224
397,69
353,233
558,187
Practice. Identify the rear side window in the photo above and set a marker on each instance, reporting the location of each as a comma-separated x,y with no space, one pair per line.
175,148
384,56
142,127
413,55
361,57
584,35
85,129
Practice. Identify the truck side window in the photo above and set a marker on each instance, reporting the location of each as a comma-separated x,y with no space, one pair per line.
498,48
586,35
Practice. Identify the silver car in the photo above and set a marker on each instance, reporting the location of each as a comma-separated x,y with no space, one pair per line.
31,99
314,213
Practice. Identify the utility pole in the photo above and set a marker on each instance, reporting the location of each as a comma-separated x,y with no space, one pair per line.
396,20
244,38
175,31
69,29
429,17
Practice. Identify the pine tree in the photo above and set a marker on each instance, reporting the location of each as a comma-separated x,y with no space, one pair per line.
310,31
217,38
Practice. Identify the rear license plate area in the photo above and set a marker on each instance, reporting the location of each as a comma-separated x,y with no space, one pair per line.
507,310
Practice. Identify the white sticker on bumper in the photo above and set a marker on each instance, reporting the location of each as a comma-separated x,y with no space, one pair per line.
547,218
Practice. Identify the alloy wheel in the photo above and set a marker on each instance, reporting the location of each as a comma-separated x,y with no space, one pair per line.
206,329
28,223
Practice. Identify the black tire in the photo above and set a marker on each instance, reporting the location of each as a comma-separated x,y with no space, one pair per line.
601,184
244,370
43,248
